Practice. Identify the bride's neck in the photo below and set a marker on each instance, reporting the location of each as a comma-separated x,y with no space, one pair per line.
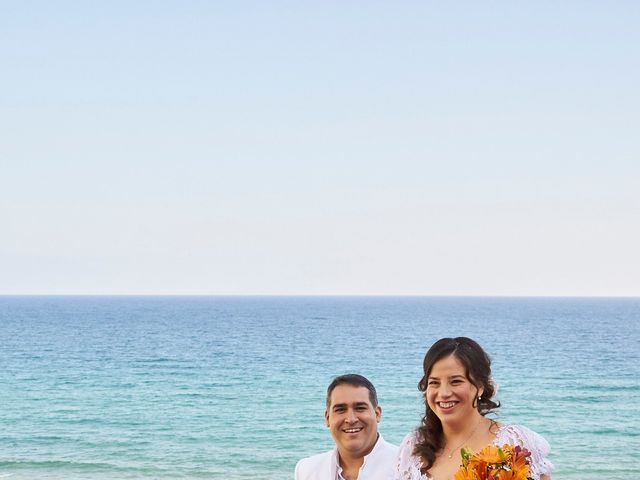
462,429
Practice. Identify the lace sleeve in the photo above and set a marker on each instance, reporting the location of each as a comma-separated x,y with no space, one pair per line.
536,444
408,465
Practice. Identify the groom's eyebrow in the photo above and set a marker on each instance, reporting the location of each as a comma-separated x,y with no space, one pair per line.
344,405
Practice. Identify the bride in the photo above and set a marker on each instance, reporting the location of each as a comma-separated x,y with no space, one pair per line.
458,393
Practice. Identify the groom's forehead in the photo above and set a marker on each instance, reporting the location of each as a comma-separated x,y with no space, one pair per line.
349,395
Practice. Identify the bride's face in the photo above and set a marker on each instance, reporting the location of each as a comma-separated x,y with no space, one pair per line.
449,392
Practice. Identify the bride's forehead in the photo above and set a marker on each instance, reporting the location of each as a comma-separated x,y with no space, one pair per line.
448,366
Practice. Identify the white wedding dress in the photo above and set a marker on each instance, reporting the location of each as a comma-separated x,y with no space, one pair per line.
408,465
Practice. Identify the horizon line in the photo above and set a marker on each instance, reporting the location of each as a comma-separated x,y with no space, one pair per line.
260,295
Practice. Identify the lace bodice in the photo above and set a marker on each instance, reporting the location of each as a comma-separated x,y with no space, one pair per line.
408,465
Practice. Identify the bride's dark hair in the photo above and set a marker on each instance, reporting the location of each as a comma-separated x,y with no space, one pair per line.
477,365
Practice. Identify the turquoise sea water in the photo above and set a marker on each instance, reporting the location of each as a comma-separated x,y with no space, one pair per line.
233,387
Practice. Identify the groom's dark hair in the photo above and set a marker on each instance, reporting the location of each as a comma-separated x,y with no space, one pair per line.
354,380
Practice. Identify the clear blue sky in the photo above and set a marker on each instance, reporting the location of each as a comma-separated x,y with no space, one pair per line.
399,148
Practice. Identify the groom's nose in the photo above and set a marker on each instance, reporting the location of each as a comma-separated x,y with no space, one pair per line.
351,416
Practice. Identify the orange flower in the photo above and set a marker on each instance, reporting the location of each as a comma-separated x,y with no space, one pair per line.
465,473
488,455
521,463
512,474
495,463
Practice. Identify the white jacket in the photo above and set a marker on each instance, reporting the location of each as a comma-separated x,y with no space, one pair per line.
378,465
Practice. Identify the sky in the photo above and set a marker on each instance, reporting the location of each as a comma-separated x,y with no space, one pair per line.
320,148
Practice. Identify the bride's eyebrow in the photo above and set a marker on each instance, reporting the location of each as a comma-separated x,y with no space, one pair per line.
450,377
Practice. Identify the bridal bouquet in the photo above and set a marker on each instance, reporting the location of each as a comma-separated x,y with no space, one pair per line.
495,463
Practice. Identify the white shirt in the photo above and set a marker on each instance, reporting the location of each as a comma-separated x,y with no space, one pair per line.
379,464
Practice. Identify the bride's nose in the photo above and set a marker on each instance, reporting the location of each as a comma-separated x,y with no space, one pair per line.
445,390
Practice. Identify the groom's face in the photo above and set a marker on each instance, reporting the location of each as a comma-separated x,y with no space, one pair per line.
353,420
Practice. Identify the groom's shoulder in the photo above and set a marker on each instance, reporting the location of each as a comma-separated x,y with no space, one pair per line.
310,464
386,449
319,457
389,446
381,461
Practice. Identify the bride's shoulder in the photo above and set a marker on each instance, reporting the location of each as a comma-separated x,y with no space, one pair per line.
408,464
410,440
520,435
534,442
513,428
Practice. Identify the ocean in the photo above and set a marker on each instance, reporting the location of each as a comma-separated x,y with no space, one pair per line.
233,388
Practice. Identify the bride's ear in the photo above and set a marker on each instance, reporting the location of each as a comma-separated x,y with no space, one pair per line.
480,393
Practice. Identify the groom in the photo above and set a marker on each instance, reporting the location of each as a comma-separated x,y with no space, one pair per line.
352,415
